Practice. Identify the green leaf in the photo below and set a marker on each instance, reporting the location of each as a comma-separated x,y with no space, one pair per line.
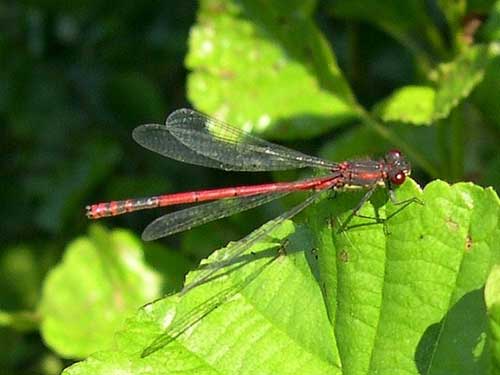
364,141
423,105
480,6
491,176
264,323
491,30
399,297
100,281
409,104
266,67
21,275
492,299
487,95
20,320
409,301
454,12
457,79
359,141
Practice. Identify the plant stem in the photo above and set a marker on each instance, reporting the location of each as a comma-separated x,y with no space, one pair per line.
23,321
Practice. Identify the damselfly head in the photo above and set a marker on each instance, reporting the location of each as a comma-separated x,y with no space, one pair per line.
397,167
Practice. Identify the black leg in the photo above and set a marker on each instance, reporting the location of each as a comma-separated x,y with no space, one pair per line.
356,209
404,202
377,220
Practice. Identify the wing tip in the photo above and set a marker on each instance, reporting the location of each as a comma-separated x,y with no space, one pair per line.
181,112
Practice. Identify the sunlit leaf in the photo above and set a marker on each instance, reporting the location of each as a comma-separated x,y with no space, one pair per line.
101,280
411,104
402,296
458,78
409,300
266,67
492,299
423,105
257,329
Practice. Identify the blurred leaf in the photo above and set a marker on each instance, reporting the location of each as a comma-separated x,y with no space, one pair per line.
419,105
356,142
265,66
62,144
454,11
491,173
458,78
363,142
487,94
101,280
385,298
15,349
20,321
491,29
409,104
135,99
480,6
492,299
50,364
21,275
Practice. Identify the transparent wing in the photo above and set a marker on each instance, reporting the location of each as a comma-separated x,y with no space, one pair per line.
181,324
188,218
225,146
157,138
235,249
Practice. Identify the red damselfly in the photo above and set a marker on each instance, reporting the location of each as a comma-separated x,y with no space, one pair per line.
195,138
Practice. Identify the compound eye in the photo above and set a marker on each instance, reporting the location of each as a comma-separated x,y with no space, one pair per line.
398,178
396,154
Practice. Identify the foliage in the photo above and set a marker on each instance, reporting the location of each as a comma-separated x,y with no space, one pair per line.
100,280
352,78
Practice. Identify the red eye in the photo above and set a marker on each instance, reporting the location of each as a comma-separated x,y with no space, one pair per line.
398,178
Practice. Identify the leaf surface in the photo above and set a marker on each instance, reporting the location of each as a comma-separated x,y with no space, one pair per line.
101,280
402,296
266,67
423,105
